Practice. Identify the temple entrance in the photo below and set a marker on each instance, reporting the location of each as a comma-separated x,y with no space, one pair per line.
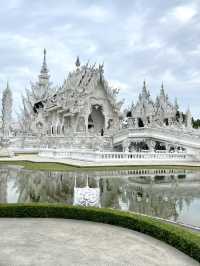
166,121
96,120
140,122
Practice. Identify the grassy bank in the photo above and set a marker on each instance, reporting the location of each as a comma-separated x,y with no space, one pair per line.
182,239
41,166
51,166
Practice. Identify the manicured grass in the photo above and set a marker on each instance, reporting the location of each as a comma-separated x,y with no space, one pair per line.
182,239
40,166
24,154
51,166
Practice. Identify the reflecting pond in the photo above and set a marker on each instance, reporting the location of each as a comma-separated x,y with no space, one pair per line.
167,193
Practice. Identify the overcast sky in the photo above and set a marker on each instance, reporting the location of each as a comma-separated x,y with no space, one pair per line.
153,40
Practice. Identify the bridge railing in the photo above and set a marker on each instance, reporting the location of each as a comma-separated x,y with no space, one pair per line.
94,156
181,135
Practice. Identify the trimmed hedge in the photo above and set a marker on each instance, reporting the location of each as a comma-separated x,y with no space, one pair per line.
182,239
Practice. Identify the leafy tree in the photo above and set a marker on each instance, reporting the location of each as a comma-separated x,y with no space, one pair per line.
196,123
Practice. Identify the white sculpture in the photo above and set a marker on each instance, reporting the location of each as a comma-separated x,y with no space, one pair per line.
6,111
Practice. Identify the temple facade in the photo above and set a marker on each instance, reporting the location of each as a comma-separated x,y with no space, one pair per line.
158,113
84,103
84,114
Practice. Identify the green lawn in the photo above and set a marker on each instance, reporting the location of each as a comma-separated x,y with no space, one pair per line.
40,166
64,167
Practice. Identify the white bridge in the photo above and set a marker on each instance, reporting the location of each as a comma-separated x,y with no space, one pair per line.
168,136
129,144
178,145
92,156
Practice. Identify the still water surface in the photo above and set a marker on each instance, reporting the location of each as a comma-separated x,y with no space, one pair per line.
168,193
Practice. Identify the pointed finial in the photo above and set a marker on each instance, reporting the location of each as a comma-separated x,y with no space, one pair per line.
101,66
7,85
44,77
101,71
189,118
162,92
44,65
176,104
144,90
45,54
77,63
162,88
188,109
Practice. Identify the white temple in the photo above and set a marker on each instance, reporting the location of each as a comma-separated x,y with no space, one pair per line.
83,119
84,103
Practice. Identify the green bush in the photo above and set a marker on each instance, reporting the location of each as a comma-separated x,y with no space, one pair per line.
182,239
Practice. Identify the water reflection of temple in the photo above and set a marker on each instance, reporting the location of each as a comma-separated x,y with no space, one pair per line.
156,192
3,186
6,174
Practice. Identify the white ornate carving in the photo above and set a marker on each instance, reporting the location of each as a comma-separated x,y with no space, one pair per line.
84,114
7,111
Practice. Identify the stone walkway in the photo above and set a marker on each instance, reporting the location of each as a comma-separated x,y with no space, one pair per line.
70,242
74,162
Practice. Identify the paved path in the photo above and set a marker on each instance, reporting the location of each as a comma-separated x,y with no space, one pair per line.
56,242
75,162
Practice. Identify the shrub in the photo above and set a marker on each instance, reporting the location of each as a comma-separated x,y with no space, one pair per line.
182,239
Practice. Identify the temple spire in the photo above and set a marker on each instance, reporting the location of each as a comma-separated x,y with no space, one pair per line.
44,64
188,118
44,73
77,63
162,91
176,104
162,86
7,85
144,90
6,110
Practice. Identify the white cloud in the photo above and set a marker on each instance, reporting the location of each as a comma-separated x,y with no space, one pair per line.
184,13
119,85
133,26
136,40
14,3
96,14
156,44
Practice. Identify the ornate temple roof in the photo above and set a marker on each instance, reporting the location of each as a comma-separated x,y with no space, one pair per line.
82,83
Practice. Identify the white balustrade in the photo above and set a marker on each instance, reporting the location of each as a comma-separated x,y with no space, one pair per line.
113,156
173,135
